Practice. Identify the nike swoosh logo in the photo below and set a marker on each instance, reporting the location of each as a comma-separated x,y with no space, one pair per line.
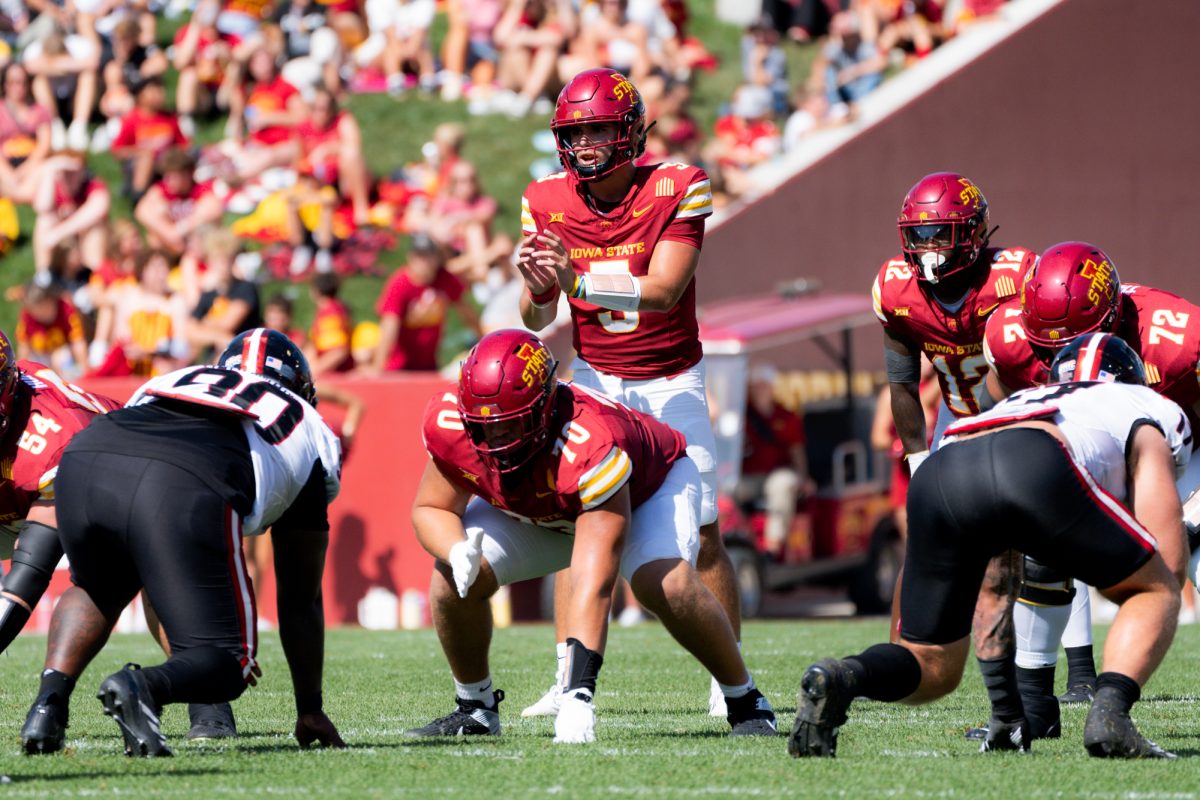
983,312
638,212
542,494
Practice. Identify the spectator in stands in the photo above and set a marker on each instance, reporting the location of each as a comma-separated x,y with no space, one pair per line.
24,134
329,338
202,55
608,38
146,333
802,20
310,217
264,110
460,220
277,315
811,113
146,133
50,329
745,138
72,205
65,76
244,18
763,61
408,50
412,310
129,64
774,461
850,62
469,48
228,305
531,34
675,135
329,147
913,26
177,204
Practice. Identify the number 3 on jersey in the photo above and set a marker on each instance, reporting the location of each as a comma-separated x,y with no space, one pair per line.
615,321
962,383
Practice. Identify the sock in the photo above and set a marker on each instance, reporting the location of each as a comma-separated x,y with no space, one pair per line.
560,669
196,675
1081,666
57,687
1038,698
1118,690
739,690
1000,679
885,672
480,692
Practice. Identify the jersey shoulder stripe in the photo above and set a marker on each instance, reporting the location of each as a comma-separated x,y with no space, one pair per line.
602,481
697,200
527,224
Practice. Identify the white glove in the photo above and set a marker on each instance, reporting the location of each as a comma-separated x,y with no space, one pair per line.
915,460
576,721
464,560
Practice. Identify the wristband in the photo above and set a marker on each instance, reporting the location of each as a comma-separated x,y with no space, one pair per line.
579,290
308,703
915,460
545,298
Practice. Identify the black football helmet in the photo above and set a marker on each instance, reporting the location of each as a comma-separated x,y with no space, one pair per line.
1098,357
267,352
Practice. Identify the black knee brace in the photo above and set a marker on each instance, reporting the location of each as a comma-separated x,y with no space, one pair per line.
1046,586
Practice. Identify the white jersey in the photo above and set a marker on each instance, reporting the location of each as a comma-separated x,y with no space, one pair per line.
286,435
1097,420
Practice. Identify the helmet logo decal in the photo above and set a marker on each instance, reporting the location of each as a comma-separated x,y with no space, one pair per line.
1101,277
577,114
622,87
970,194
536,359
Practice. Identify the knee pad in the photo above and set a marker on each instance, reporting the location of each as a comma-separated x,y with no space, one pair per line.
33,561
1045,586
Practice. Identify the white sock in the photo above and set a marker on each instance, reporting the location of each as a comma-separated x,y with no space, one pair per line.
1038,631
480,692
560,671
738,690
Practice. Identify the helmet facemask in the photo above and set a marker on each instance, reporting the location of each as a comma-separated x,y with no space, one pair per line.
508,440
628,144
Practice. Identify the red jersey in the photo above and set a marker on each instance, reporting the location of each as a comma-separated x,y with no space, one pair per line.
325,168
1162,327
332,329
44,339
667,202
952,340
422,313
154,132
48,412
770,439
181,206
601,447
66,204
269,98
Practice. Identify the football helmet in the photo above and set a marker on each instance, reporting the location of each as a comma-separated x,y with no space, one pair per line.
943,225
1098,357
10,376
598,96
506,396
1073,289
267,352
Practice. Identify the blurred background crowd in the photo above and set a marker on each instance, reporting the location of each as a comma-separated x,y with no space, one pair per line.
173,172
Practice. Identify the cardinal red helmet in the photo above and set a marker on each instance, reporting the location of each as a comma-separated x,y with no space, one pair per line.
1097,357
506,397
598,96
943,225
1073,289
10,376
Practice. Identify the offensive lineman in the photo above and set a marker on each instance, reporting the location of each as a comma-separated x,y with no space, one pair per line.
623,242
1045,472
1074,289
159,494
527,476
935,299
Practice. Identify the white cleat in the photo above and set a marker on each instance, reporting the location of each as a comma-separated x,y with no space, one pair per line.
575,723
716,701
548,705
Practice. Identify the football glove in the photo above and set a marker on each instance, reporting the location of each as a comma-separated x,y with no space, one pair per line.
464,560
576,720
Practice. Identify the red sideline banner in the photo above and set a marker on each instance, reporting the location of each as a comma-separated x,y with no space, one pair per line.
374,562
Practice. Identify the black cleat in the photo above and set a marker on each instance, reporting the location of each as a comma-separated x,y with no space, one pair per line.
1078,693
1110,733
751,715
211,721
470,718
45,728
826,691
1012,736
126,698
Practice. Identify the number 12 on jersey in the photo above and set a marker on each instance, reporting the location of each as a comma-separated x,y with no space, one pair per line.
963,383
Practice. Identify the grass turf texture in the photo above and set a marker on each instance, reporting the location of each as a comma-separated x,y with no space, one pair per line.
654,738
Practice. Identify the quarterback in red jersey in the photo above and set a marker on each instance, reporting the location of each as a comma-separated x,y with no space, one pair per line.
39,413
526,476
623,241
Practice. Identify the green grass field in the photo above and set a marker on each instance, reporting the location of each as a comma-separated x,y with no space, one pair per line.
654,739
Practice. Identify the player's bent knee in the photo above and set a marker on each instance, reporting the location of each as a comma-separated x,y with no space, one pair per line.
941,669
657,582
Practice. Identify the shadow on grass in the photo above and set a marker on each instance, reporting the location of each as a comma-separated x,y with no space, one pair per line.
91,772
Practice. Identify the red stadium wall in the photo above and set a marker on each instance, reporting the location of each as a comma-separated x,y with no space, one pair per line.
1080,126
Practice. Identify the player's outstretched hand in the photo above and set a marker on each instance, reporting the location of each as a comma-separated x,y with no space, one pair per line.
317,728
464,560
552,254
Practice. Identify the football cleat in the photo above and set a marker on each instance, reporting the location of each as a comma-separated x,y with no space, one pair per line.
751,715
470,718
547,705
826,691
716,700
1011,736
126,698
211,721
576,721
45,728
1078,693
1110,733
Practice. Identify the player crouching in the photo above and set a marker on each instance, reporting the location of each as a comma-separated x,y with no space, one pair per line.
527,476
